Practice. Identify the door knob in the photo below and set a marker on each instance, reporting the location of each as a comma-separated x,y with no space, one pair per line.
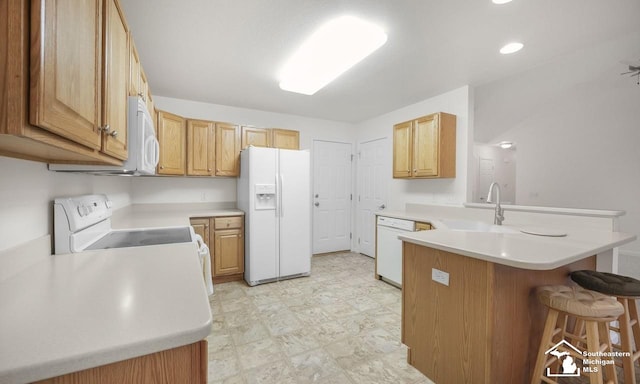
317,204
382,206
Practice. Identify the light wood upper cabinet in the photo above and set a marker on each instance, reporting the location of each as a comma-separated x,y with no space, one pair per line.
135,88
227,150
402,149
116,75
172,137
200,148
425,147
66,74
285,138
258,137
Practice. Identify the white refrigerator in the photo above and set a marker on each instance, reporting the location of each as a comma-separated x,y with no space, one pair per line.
274,191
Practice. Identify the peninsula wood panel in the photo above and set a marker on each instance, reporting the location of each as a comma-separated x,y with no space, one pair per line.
227,150
66,69
258,137
115,80
172,137
285,138
200,148
514,294
485,327
446,327
186,364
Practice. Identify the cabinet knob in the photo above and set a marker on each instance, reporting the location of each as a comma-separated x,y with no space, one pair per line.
104,128
208,169
113,133
162,167
415,171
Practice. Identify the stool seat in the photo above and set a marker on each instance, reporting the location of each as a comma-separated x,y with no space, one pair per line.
579,301
607,283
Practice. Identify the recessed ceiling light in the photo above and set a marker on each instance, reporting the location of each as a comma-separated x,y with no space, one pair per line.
501,1
511,48
331,50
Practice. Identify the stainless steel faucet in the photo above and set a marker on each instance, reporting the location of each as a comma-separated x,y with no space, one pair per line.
499,217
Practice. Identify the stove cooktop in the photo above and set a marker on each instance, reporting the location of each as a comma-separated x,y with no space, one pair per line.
139,238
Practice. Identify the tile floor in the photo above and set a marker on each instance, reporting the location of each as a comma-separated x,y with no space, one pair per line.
339,325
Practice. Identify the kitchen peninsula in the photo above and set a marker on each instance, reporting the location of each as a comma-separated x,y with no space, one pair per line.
469,312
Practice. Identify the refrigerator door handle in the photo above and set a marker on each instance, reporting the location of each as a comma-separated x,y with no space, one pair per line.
280,194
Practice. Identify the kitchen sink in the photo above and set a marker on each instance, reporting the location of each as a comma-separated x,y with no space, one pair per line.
475,226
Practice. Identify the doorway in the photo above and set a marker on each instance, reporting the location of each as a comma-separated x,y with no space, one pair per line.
331,196
373,175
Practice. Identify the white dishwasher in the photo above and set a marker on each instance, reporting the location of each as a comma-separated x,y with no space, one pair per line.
389,247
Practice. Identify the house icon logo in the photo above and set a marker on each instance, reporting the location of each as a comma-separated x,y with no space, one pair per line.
568,367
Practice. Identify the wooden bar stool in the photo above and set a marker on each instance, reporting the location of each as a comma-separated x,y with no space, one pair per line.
627,291
595,310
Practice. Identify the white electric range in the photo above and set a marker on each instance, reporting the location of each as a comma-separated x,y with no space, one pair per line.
83,223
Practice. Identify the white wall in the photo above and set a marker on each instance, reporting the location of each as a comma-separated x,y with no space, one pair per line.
427,191
576,125
28,189
188,190
309,128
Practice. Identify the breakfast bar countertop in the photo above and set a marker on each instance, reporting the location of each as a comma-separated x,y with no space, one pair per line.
521,250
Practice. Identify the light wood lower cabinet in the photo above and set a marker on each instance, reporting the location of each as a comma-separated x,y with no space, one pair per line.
225,238
186,364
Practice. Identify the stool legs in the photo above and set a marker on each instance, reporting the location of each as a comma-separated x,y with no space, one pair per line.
597,339
629,330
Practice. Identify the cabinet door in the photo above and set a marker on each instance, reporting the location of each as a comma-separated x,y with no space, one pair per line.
172,138
144,85
227,150
201,227
258,137
200,148
285,139
228,252
402,149
425,150
66,68
115,81
134,71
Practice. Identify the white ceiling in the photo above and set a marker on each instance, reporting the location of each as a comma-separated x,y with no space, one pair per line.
229,52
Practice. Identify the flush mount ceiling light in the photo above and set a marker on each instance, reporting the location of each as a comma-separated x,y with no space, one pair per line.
501,1
331,50
505,144
511,48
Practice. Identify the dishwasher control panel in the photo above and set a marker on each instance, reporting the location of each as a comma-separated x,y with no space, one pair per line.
392,222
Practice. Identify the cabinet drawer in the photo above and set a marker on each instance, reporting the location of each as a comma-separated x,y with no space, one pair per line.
422,226
227,222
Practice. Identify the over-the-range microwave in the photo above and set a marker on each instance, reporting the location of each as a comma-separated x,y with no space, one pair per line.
144,150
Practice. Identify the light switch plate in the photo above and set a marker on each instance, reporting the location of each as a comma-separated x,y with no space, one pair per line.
439,276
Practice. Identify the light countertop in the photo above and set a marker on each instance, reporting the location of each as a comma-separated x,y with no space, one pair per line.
66,313
515,249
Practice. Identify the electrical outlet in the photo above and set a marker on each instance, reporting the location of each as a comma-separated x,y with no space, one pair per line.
439,276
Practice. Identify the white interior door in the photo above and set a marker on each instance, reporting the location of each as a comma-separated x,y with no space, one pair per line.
373,174
485,178
331,196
